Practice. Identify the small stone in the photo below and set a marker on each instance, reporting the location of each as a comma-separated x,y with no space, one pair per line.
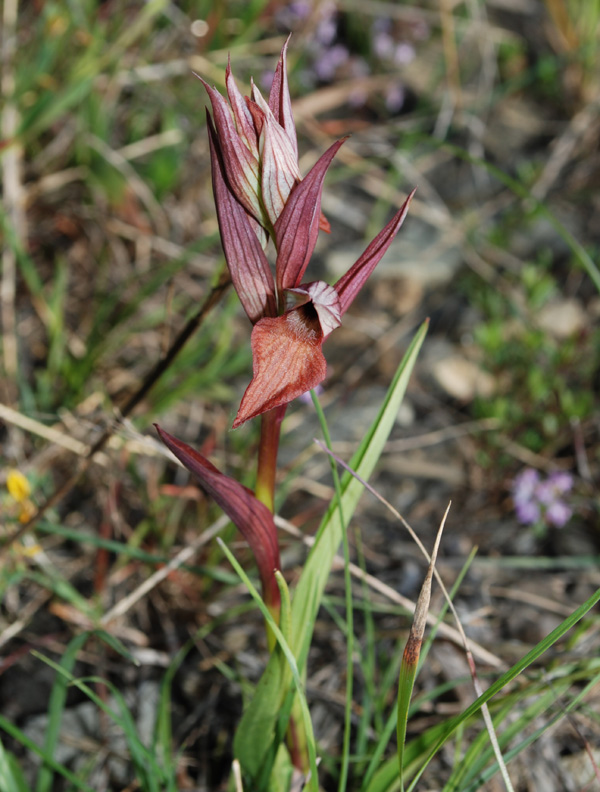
562,318
462,379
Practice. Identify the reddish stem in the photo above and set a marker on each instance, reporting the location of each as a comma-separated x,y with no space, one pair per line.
270,429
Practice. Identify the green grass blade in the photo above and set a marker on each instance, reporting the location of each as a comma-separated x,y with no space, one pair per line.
52,581
11,775
406,683
56,706
148,772
511,674
472,773
28,743
345,760
129,551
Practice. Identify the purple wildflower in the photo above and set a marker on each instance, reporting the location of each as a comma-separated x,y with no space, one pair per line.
294,13
326,30
383,45
329,61
306,398
561,481
558,513
525,484
403,53
523,492
538,500
395,97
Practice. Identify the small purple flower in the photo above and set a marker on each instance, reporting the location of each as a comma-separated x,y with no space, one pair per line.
395,97
558,513
561,481
326,31
294,13
528,512
538,500
383,45
525,484
403,53
329,61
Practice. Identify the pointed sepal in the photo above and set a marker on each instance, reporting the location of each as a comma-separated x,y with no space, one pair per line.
279,167
248,265
349,285
297,228
242,116
279,98
241,164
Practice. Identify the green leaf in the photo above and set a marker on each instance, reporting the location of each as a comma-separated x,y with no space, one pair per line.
256,739
271,694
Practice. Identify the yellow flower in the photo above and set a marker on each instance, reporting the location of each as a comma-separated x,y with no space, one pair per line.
18,486
20,489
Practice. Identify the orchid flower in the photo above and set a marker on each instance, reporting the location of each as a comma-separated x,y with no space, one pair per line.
257,187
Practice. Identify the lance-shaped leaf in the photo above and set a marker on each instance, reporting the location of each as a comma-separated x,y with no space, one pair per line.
286,360
349,285
297,228
241,165
248,265
279,98
245,511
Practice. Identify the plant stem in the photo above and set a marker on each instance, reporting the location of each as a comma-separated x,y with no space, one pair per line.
270,429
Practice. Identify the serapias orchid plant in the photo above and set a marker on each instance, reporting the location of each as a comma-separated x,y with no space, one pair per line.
260,195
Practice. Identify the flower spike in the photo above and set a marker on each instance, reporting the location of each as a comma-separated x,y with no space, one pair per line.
259,194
